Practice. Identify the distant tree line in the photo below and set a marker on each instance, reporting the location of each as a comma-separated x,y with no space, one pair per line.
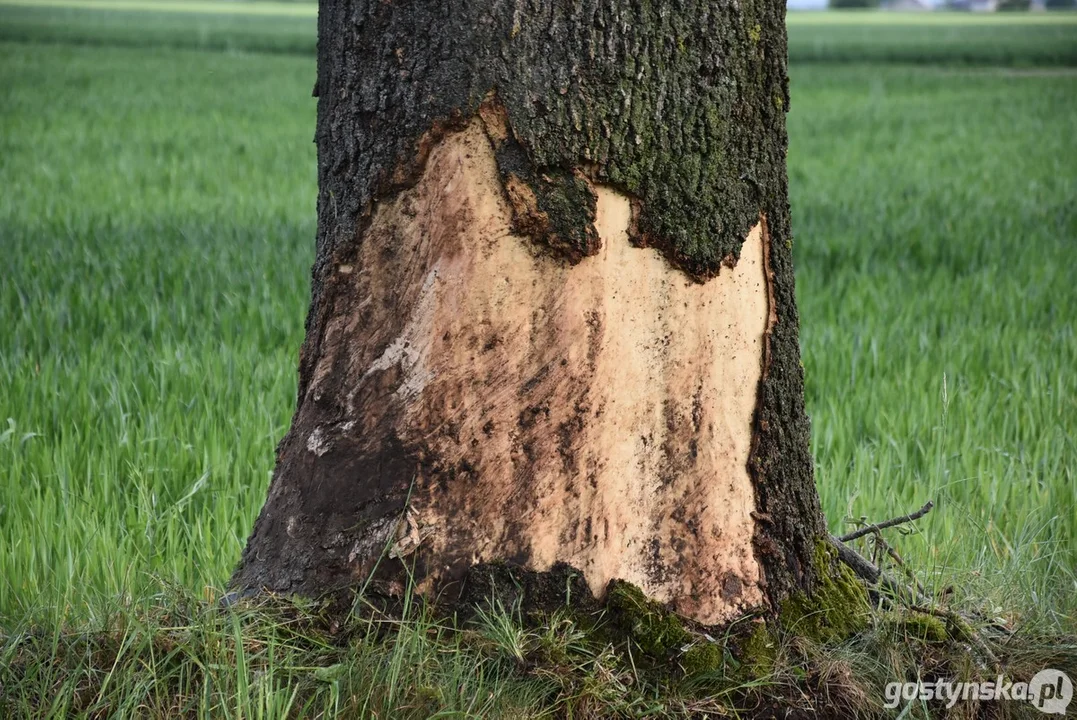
853,4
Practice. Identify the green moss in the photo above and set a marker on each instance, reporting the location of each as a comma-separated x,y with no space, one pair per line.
656,630
919,626
837,607
703,657
959,629
429,697
756,33
759,652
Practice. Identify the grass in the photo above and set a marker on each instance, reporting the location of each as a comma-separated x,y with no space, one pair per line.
934,215
157,225
132,25
157,221
182,659
1028,40
245,8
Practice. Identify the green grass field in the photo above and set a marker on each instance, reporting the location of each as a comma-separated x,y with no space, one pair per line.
157,227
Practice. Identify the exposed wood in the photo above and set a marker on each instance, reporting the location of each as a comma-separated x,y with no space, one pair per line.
598,414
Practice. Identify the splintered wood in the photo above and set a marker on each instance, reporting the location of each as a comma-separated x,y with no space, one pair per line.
598,414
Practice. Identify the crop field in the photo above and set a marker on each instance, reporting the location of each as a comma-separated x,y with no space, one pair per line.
157,220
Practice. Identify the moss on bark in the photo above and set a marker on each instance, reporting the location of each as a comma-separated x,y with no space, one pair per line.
758,652
836,608
917,626
834,611
656,630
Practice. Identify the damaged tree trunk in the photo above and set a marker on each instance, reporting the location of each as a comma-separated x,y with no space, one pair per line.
552,316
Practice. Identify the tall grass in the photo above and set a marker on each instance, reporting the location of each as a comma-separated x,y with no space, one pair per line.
935,229
156,224
179,658
950,38
138,25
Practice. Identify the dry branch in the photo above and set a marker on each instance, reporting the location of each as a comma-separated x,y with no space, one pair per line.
889,523
913,596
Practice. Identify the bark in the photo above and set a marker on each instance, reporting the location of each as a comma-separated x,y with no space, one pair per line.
552,313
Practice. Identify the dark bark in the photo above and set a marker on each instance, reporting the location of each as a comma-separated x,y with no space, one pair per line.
680,105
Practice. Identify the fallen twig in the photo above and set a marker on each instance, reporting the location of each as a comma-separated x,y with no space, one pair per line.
889,523
857,562
914,596
865,569
879,542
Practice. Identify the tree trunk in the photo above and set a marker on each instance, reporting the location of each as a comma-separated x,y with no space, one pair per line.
552,316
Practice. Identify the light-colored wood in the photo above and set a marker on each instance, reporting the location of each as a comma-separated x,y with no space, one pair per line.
598,414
